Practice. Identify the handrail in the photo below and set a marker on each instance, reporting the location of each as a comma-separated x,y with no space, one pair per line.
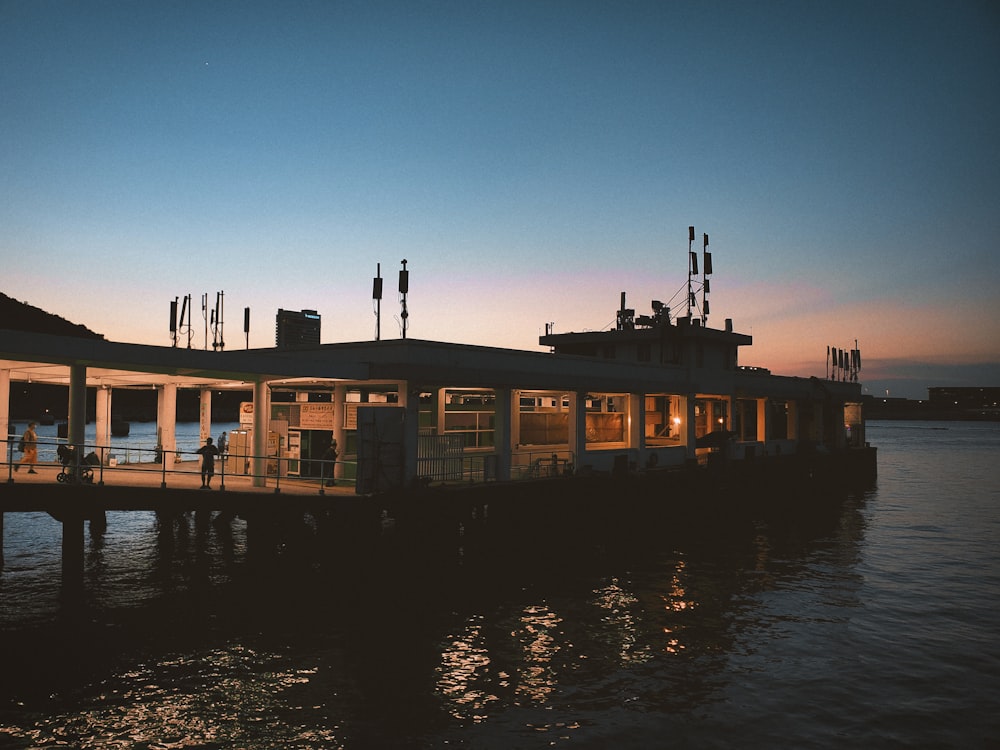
472,468
102,454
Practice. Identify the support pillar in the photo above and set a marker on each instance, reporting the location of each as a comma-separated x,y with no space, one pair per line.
503,418
5,413
690,427
166,421
409,397
261,422
77,423
102,419
339,420
205,415
636,435
763,422
577,427
792,426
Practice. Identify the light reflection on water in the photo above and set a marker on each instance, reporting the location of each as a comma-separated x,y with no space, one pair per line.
872,625
223,697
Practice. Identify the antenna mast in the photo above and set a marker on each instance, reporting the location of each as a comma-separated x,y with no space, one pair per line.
377,296
173,322
217,341
706,267
181,325
404,287
204,315
692,270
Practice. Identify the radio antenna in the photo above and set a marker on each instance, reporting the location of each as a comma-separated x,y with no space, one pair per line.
692,270
217,341
173,321
706,267
377,296
404,287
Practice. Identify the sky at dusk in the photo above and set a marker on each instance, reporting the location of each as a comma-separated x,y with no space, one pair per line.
530,161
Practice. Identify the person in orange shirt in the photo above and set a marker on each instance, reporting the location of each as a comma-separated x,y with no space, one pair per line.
29,441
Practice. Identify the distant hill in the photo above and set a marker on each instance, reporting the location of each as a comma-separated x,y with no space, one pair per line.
19,316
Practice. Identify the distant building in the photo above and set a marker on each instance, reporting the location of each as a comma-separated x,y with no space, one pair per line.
296,329
965,398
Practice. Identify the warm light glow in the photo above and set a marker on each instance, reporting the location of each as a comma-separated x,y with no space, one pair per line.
461,674
677,420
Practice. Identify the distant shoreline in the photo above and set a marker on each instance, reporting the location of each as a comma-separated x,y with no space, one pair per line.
923,412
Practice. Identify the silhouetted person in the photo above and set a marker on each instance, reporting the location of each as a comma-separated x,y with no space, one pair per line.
29,444
208,453
223,445
330,459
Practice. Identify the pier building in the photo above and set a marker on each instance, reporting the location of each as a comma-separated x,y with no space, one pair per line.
433,434
411,412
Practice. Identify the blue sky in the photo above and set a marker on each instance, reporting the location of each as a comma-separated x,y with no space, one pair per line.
531,161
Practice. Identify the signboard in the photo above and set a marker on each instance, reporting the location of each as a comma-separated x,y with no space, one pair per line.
318,416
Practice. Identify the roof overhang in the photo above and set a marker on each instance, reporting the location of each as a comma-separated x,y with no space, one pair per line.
48,359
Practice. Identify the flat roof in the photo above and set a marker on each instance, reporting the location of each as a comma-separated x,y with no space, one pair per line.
47,359
44,358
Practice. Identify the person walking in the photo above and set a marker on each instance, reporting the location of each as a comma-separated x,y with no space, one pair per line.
29,445
208,453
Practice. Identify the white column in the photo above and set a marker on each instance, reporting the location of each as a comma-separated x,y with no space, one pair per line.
261,421
339,400
577,427
205,414
339,420
77,422
503,418
440,407
690,428
763,422
4,411
166,419
636,435
411,429
102,420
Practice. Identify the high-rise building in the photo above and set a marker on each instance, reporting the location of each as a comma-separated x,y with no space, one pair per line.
294,329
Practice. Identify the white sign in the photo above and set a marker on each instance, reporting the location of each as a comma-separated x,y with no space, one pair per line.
318,416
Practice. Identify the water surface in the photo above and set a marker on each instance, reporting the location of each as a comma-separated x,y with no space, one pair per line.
870,625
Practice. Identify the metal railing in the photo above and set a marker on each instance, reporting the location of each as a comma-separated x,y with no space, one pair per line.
541,463
86,463
92,463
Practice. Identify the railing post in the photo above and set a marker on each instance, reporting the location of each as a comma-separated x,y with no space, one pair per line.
277,473
100,480
222,473
163,470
